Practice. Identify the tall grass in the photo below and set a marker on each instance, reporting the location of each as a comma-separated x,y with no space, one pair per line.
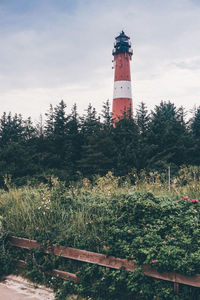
54,213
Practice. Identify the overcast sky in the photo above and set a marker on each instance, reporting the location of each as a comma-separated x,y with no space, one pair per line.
62,49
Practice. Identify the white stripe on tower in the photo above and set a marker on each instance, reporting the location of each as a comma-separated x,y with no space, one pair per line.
122,89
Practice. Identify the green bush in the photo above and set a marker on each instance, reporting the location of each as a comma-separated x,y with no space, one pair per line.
160,229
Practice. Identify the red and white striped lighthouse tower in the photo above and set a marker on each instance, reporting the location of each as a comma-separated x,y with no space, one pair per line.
122,96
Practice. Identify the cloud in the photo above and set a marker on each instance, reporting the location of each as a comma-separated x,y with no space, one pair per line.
189,64
62,49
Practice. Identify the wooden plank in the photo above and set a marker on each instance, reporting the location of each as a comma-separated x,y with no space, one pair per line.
173,277
94,258
21,263
64,275
153,273
54,272
188,280
103,260
24,243
76,254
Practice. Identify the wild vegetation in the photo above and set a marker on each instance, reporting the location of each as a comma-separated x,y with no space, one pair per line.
145,222
80,182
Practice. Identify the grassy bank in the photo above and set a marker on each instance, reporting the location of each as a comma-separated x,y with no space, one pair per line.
145,222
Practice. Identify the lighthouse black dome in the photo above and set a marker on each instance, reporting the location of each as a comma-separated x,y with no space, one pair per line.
122,44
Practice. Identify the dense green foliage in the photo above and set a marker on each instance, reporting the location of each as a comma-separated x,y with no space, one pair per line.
67,145
144,222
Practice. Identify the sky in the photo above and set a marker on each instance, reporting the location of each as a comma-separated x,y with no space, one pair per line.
53,50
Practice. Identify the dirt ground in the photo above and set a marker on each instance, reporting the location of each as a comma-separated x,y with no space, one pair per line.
17,288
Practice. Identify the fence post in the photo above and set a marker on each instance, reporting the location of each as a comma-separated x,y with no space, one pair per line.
176,288
169,178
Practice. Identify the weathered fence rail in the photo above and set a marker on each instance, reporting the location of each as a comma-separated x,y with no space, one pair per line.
54,272
76,254
102,260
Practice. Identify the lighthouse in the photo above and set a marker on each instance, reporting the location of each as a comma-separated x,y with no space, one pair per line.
122,96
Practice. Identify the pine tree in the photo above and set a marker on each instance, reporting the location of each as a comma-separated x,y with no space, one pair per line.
91,157
57,155
126,143
49,124
168,139
142,121
107,115
74,141
195,125
195,131
17,147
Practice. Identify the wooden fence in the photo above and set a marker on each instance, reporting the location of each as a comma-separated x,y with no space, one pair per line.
101,260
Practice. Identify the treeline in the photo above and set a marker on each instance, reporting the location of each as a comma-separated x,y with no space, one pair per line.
69,146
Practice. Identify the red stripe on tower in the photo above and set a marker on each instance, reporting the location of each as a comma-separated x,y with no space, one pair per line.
122,96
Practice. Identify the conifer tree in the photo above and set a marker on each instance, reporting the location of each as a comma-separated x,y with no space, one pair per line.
49,124
107,115
58,141
167,137
17,146
74,141
90,155
195,131
142,121
195,126
126,143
